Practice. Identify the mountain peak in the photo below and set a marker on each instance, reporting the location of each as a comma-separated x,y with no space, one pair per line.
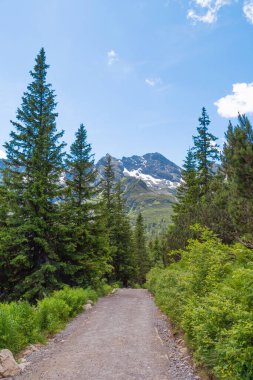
155,170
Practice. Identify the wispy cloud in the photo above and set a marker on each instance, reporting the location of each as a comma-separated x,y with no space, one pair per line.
152,82
118,64
206,10
241,100
248,10
112,57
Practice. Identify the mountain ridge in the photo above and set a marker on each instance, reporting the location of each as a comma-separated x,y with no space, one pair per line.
154,169
150,183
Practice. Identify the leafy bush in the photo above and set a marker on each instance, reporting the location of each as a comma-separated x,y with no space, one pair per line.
21,323
52,314
209,293
17,327
74,298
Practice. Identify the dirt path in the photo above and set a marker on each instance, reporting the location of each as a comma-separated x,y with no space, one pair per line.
117,340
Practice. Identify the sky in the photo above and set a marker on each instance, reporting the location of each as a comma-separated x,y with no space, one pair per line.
136,72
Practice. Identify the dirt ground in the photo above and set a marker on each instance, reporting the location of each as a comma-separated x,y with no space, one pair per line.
123,337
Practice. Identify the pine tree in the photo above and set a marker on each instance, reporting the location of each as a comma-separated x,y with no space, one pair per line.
118,227
205,151
186,210
141,253
32,180
81,173
155,252
123,260
108,189
188,191
237,161
85,249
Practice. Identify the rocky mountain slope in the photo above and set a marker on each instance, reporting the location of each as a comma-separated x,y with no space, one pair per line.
150,184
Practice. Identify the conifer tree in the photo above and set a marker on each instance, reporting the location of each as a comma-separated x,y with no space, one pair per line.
123,260
141,252
85,248
155,252
118,227
108,188
188,191
237,161
205,151
32,180
187,208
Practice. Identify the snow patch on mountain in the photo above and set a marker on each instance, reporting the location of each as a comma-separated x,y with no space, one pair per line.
149,180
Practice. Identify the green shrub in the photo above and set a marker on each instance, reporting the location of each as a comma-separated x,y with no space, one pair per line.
74,298
17,327
52,314
209,293
21,323
91,294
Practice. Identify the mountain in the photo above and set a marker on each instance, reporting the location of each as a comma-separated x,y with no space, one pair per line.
150,184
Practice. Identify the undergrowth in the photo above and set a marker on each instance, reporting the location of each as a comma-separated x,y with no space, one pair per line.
22,323
209,293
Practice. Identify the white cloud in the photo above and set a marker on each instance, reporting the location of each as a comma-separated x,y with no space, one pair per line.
240,101
248,10
152,82
206,10
112,57
2,154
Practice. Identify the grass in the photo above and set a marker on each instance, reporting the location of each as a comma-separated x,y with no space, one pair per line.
22,323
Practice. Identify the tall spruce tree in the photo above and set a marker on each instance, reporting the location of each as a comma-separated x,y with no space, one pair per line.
237,161
85,243
188,191
186,209
32,182
123,260
205,151
118,227
108,187
141,253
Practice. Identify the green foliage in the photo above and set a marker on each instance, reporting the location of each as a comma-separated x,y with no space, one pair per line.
205,152
237,161
84,237
17,325
188,191
141,252
52,314
21,323
31,185
209,294
118,228
52,230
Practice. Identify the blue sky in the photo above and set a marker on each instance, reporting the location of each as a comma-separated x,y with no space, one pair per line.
135,72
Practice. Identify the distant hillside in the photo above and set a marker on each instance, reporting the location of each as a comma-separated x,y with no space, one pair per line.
150,183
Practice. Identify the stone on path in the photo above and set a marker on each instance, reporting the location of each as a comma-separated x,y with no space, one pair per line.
8,365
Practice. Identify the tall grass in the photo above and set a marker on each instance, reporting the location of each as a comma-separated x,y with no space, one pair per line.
22,323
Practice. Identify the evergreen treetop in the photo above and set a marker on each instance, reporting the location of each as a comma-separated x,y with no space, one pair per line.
205,150
81,173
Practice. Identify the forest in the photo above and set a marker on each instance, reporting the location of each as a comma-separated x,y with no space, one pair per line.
65,235
60,225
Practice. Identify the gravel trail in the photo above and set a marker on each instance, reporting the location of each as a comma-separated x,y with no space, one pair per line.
124,337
